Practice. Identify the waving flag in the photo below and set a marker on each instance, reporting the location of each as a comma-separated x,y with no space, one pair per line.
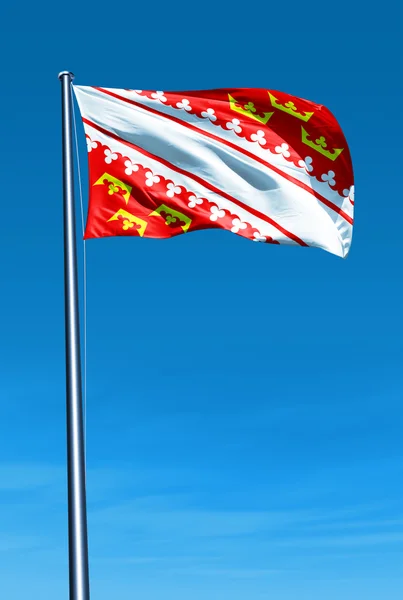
263,164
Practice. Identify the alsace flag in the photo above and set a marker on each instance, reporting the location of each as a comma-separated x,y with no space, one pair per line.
263,164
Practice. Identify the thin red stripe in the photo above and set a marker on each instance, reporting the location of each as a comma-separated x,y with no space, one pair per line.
199,180
216,138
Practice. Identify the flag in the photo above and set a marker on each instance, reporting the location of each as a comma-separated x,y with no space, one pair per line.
265,165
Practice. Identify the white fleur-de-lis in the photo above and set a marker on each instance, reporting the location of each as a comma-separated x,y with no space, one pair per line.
185,104
259,137
216,213
237,224
130,167
329,177
234,125
110,156
209,114
172,189
349,193
306,164
283,149
193,200
258,237
91,145
159,96
151,179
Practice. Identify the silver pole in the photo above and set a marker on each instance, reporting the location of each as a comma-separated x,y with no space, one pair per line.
78,543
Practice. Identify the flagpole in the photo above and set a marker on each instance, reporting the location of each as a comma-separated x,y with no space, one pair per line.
77,509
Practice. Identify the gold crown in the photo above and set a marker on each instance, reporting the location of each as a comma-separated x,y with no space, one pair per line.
320,145
175,214
129,221
115,186
290,108
249,110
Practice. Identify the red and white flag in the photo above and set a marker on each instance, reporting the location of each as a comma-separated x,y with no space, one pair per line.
263,164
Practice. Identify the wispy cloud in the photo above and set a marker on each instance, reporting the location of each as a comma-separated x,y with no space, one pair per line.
10,542
29,476
183,532
234,573
158,514
374,539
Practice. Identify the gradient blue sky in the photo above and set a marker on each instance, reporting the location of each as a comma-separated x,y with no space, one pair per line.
244,401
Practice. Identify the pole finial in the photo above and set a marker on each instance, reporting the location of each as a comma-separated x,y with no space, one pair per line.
69,73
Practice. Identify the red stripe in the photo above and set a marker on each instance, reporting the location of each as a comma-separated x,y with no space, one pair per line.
216,138
199,180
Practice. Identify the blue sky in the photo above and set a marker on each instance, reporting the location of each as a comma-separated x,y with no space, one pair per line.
244,401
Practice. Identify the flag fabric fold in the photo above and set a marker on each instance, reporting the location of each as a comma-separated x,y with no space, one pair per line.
262,164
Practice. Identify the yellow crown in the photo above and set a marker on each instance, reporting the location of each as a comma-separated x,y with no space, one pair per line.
320,145
169,214
129,221
115,186
290,108
249,110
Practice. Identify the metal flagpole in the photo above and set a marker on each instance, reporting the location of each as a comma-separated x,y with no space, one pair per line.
77,509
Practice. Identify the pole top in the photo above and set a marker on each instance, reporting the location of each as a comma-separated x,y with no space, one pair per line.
66,73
